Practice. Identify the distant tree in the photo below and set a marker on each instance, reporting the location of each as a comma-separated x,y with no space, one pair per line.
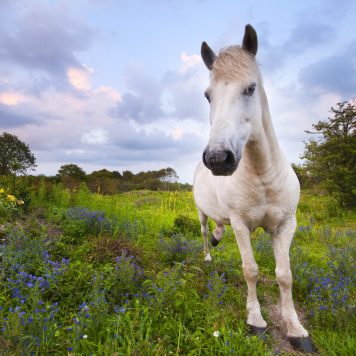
15,156
330,159
103,181
127,175
71,171
116,175
169,175
102,173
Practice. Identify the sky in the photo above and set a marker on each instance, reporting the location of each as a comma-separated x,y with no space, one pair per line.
119,84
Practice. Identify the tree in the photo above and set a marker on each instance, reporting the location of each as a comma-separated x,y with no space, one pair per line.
71,171
331,159
15,156
168,175
127,175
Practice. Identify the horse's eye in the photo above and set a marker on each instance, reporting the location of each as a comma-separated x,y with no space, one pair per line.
250,90
206,94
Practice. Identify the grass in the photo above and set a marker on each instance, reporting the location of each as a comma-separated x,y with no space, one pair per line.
83,273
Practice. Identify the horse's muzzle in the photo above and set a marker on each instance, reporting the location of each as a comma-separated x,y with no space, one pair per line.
221,163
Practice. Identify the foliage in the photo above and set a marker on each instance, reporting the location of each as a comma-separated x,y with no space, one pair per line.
15,156
186,225
331,160
88,274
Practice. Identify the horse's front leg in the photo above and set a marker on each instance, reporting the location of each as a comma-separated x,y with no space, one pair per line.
282,240
250,271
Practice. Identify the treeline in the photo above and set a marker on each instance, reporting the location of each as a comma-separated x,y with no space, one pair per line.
17,160
110,182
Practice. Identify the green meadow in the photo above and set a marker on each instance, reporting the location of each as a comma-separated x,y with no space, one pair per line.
89,274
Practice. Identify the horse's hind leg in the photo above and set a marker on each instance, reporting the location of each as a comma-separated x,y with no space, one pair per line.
218,233
204,231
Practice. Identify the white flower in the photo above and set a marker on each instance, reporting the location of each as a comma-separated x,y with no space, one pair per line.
85,336
216,333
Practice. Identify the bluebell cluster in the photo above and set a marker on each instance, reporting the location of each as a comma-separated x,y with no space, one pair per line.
129,260
328,290
131,229
178,248
217,286
95,221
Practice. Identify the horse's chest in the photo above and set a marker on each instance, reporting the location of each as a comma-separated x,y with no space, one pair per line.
256,207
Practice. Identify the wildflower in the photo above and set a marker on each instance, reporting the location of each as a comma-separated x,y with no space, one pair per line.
85,336
20,202
11,198
2,191
216,333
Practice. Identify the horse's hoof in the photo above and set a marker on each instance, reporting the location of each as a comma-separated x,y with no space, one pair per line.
303,344
214,241
207,257
259,332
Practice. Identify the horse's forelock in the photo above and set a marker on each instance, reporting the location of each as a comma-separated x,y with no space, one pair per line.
233,63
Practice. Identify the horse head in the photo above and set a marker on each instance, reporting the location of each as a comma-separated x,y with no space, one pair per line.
235,102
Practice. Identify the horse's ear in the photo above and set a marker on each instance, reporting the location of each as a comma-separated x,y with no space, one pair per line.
250,42
208,55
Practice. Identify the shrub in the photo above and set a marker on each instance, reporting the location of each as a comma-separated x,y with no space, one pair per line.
186,226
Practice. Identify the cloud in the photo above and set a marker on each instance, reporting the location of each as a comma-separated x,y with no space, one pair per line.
79,78
115,95
177,133
179,94
303,38
11,119
11,98
189,61
142,102
95,137
43,38
335,73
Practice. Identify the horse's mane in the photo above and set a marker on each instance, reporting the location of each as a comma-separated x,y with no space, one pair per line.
233,63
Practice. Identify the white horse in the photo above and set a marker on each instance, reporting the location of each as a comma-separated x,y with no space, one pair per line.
245,180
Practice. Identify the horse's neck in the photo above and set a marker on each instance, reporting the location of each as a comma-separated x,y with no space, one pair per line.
262,154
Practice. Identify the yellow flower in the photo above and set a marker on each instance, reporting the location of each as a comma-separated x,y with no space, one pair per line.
11,197
20,202
2,190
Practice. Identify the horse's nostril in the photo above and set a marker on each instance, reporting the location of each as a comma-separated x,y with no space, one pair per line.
205,159
219,161
230,158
